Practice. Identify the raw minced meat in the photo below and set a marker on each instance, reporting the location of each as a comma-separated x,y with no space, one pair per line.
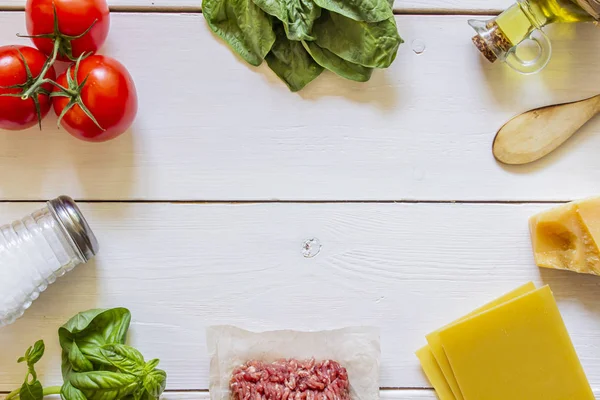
290,380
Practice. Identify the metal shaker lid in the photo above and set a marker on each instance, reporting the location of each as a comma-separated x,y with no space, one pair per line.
75,226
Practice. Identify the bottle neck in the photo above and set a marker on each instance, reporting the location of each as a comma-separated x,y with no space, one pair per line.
497,36
518,22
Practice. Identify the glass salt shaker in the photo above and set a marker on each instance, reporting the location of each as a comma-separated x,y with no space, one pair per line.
39,248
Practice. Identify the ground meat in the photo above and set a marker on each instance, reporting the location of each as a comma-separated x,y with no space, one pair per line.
290,380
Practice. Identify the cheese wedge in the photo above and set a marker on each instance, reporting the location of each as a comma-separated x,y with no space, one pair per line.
567,237
519,350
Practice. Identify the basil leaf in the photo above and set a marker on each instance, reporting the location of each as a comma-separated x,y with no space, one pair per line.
373,45
99,326
35,353
155,383
291,62
78,360
243,25
104,385
150,365
298,16
139,393
124,358
359,10
338,65
90,330
68,392
31,391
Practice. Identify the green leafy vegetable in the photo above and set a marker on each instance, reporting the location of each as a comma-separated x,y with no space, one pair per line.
92,329
77,360
101,385
299,38
370,44
338,65
34,353
124,358
359,10
298,16
32,388
31,391
243,25
292,63
155,382
96,364
69,392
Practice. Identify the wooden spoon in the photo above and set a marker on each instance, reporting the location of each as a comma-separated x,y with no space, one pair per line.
532,135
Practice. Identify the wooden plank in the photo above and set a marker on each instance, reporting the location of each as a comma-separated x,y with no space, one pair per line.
406,268
385,395
438,6
212,128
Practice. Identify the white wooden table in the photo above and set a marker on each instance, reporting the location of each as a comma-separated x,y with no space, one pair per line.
203,207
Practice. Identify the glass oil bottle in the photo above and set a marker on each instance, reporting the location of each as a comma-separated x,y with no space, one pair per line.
498,38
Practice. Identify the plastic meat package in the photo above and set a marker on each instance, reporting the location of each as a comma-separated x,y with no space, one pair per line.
237,352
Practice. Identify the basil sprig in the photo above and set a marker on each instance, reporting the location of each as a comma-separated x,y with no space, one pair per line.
96,362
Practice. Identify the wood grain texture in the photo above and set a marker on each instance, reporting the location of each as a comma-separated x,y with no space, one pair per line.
406,268
212,128
438,6
385,395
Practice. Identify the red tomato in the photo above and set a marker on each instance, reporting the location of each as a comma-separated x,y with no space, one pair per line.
109,94
15,113
74,18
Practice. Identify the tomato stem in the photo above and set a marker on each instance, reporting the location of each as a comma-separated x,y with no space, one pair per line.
40,80
73,92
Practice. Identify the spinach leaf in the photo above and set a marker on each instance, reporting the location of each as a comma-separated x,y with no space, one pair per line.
92,329
31,391
104,385
68,392
124,358
343,68
373,45
291,62
359,10
298,16
243,25
155,383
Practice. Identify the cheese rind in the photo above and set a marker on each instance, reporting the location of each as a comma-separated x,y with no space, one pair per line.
567,237
519,350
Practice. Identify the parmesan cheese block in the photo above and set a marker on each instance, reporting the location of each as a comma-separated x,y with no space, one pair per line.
567,237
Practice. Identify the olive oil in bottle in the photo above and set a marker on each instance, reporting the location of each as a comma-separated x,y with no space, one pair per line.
499,37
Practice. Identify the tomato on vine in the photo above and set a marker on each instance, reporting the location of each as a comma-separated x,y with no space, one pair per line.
20,66
96,99
73,27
